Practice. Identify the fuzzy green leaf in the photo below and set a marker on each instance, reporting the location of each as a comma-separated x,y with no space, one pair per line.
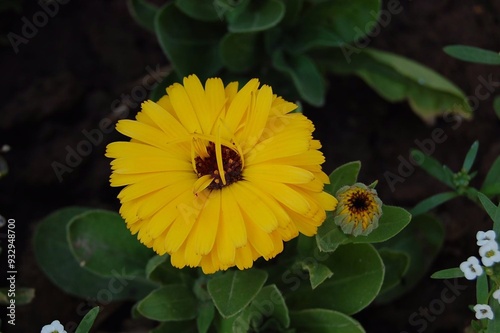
346,174
473,54
318,273
234,290
335,23
53,254
239,51
192,46
305,76
358,273
206,312
267,308
102,243
397,78
173,302
255,15
324,321
199,10
392,221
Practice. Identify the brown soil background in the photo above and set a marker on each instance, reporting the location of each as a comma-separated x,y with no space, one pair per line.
66,78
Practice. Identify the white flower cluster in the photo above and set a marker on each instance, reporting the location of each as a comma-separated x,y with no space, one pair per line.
490,254
54,327
488,250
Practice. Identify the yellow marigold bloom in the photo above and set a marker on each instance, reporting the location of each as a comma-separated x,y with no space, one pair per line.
359,209
218,177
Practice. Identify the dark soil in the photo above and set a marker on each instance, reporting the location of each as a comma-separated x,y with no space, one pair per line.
65,80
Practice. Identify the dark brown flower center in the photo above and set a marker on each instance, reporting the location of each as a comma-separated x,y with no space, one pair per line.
359,202
208,166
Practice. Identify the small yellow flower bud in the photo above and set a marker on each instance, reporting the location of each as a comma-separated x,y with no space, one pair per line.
359,209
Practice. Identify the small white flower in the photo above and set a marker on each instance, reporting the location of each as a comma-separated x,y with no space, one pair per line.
483,311
55,327
484,237
471,268
489,253
496,295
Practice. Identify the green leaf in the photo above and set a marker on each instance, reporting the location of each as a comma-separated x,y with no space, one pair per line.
305,76
492,210
160,270
471,156
206,312
268,306
239,51
234,290
318,273
102,243
173,302
23,296
199,10
324,321
492,178
346,174
494,325
143,12
87,321
329,236
392,221
433,167
256,15
397,78
473,54
482,289
396,265
450,273
335,23
358,273
53,254
421,241
431,202
496,106
191,46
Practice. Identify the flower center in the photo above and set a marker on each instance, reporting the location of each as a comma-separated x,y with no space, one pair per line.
231,162
359,202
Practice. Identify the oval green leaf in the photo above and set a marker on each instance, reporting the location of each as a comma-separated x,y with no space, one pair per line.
174,302
101,242
267,308
53,254
191,45
346,174
234,290
358,274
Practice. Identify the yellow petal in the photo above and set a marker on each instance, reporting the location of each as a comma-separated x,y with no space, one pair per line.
239,105
232,218
198,99
183,108
277,173
168,124
205,229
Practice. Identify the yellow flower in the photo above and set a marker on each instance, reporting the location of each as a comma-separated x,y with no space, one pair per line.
359,209
218,177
